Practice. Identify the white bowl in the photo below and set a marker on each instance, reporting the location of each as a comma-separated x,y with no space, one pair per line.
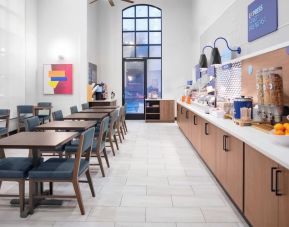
280,140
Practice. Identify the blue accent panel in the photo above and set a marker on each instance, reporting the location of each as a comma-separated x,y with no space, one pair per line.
58,78
262,18
227,66
250,70
211,71
198,72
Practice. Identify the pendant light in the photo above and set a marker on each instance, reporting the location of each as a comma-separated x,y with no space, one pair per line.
215,55
203,63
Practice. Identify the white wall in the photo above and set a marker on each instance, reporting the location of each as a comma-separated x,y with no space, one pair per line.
177,42
62,30
205,13
233,25
92,35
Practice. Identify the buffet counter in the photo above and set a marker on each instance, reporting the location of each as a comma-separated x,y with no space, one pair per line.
257,139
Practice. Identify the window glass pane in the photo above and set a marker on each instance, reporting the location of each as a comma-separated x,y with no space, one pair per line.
128,12
128,52
154,12
155,51
141,11
155,25
154,78
141,51
142,38
128,24
141,24
128,38
155,38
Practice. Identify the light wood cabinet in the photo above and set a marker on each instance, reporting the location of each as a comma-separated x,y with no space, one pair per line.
167,110
229,165
261,203
157,110
266,191
195,137
208,144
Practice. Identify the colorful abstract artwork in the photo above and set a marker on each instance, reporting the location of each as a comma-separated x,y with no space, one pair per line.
58,79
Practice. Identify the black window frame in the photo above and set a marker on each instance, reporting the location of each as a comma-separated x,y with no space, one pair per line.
148,45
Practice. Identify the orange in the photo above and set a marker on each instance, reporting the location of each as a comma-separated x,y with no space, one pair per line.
287,133
279,127
279,132
286,126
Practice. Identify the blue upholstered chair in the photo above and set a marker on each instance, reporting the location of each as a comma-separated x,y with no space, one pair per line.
44,115
98,146
73,109
57,115
65,170
16,169
4,116
111,135
31,123
85,106
24,112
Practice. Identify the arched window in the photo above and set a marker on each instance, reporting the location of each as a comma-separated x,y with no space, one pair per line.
142,41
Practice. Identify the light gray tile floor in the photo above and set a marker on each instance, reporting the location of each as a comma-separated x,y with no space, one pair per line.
156,179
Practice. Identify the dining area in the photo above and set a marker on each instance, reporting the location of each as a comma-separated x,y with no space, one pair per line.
55,149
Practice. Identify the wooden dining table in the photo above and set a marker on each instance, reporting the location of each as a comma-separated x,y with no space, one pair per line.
86,116
67,125
104,107
97,111
36,141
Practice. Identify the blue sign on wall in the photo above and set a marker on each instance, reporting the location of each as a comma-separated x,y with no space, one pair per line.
262,18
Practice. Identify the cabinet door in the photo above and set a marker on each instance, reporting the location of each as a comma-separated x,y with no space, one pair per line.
261,204
234,169
182,109
178,114
282,187
221,157
167,110
208,144
196,132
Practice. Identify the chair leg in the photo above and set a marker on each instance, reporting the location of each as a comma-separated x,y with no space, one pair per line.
124,130
90,183
121,130
105,157
111,144
115,140
125,126
78,196
100,164
22,198
31,196
118,133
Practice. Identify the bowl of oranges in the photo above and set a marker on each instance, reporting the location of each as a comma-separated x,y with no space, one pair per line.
281,134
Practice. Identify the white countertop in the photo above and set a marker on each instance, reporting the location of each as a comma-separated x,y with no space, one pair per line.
255,138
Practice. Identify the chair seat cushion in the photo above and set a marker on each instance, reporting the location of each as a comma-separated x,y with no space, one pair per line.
72,147
3,130
15,168
57,169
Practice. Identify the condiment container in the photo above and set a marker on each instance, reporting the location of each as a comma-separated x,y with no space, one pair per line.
241,103
276,86
266,87
259,87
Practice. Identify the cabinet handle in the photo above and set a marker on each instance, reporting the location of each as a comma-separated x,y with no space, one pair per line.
206,129
272,179
277,193
195,120
225,148
187,114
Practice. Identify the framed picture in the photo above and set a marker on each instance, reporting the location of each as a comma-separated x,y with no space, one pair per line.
57,79
92,73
